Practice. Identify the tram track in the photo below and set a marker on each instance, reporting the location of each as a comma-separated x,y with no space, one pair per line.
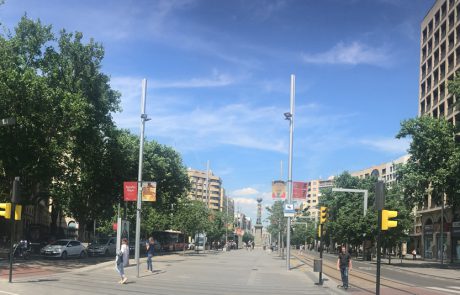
357,278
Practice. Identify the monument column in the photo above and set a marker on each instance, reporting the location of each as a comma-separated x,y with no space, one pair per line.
258,227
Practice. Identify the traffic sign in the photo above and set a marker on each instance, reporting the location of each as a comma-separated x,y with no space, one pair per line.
289,210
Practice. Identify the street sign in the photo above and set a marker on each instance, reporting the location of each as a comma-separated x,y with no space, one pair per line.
289,210
7,121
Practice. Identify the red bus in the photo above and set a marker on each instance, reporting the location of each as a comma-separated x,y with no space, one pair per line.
170,240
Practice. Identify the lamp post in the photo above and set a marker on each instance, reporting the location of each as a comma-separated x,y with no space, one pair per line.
290,116
144,118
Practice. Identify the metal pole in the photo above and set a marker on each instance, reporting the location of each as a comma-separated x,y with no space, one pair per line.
442,230
226,225
291,135
13,234
139,176
321,255
379,225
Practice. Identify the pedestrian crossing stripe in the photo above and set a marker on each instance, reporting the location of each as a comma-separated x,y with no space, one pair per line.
446,290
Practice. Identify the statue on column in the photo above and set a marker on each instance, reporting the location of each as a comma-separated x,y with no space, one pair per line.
259,211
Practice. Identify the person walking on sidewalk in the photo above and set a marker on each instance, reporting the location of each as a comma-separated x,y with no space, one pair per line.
344,265
120,260
414,254
150,251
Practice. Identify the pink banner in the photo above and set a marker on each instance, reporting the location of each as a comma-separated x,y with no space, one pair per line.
299,190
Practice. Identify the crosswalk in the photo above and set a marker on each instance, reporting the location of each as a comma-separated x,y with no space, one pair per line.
447,290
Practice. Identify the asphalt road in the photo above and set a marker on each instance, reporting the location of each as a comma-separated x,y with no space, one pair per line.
234,272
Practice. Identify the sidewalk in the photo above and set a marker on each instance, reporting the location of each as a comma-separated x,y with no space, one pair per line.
422,267
225,273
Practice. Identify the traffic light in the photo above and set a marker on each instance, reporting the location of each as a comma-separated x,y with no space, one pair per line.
386,215
17,212
7,212
323,215
319,231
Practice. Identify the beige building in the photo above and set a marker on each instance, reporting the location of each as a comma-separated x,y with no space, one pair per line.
439,61
385,171
207,187
313,193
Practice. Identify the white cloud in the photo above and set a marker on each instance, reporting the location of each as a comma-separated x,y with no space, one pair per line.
350,54
217,80
389,145
245,191
245,201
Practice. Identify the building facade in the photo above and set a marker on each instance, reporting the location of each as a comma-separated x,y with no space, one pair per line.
439,62
206,187
385,172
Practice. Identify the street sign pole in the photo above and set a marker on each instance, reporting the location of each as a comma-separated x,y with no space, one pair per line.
290,116
15,198
379,204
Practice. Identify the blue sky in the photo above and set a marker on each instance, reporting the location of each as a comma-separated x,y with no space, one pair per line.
219,79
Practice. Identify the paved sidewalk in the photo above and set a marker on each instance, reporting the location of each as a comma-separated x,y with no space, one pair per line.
235,272
422,267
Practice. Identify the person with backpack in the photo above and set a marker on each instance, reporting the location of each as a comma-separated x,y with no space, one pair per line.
120,258
344,265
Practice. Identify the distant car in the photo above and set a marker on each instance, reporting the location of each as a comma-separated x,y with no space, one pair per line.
106,247
64,248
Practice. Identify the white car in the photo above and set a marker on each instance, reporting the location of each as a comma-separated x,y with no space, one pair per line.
106,247
64,248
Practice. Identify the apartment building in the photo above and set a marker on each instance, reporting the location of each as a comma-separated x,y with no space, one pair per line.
207,187
313,193
439,62
385,172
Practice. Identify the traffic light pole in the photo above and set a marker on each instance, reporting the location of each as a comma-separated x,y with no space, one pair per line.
379,237
321,255
13,233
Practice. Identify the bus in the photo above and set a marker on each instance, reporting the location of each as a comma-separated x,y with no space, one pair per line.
170,240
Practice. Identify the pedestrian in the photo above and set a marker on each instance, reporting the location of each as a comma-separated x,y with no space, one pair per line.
414,254
344,265
150,251
120,260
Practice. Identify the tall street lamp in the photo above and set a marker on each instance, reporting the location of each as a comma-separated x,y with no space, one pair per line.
290,116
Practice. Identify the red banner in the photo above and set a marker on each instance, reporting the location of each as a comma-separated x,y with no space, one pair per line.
130,191
299,190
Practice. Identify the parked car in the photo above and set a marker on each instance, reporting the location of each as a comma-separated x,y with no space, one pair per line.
64,248
106,247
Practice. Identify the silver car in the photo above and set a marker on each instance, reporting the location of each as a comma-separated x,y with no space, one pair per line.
64,248
106,247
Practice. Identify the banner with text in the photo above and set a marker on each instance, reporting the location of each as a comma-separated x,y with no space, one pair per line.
279,189
130,191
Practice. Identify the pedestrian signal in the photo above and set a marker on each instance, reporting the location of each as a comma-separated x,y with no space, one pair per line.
7,212
386,222
323,215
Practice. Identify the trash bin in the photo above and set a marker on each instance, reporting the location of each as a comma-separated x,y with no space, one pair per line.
317,265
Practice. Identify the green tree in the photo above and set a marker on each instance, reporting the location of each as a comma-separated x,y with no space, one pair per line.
432,170
192,217
277,220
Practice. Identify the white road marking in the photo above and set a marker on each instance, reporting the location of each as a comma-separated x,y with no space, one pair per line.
444,290
9,293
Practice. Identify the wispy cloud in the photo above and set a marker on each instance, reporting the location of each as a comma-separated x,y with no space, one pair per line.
388,145
216,80
245,191
349,54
